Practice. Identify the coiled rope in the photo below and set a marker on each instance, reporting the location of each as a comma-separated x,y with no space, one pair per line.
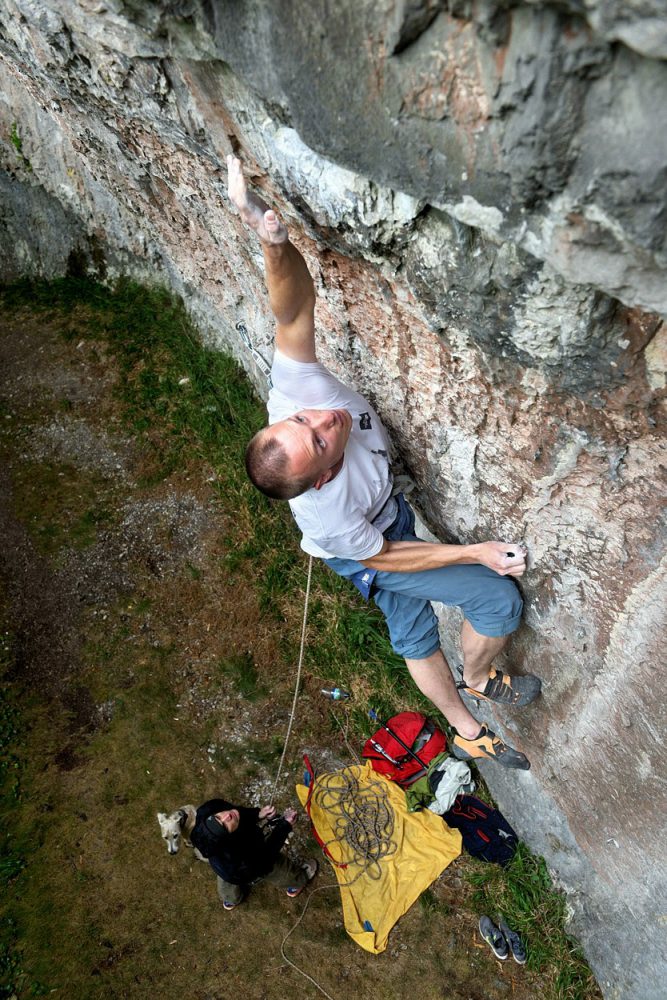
362,820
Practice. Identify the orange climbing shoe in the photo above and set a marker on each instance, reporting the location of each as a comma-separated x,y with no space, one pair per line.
515,691
488,746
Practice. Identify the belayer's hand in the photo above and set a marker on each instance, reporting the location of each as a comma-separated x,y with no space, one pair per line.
505,558
290,816
267,812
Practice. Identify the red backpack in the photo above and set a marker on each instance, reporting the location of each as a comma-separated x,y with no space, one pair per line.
389,757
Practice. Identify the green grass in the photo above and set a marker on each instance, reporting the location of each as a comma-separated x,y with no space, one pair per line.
241,669
17,143
431,906
524,895
156,349
59,504
10,865
10,725
13,979
212,417
15,138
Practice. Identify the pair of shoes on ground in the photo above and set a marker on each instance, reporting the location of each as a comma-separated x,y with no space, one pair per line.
310,869
502,940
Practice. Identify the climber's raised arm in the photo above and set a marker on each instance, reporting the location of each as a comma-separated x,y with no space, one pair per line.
291,290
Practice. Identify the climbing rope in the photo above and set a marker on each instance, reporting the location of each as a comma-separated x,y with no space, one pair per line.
353,753
298,678
266,371
362,820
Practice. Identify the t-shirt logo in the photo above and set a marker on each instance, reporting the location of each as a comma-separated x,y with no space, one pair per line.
365,422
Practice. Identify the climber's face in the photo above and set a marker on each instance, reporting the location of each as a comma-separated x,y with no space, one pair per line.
314,441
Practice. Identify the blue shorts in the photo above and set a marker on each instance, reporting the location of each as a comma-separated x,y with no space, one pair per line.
491,603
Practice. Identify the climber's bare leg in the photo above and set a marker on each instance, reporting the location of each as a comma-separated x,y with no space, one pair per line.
290,286
479,651
472,742
434,679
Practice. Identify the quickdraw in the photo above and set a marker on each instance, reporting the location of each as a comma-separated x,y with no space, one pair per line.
261,363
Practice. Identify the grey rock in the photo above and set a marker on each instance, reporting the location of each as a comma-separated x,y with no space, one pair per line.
639,25
38,237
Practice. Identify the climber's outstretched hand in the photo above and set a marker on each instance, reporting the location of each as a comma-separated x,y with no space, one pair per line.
505,558
254,212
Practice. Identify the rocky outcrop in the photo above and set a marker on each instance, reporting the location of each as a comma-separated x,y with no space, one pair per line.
479,190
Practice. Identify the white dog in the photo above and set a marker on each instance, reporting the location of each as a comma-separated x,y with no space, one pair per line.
177,825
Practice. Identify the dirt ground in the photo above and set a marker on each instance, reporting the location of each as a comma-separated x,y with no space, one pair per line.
148,675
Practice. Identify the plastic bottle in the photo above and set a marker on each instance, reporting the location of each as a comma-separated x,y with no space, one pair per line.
336,694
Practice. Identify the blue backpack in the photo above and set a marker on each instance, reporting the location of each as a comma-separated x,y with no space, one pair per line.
486,833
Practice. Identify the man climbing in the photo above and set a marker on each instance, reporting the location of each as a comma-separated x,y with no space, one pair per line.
327,453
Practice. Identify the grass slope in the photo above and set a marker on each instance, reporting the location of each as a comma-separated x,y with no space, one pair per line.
145,666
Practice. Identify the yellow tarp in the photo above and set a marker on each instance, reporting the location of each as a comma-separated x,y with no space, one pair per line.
425,845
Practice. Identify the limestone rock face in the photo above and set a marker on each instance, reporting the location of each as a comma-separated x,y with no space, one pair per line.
479,191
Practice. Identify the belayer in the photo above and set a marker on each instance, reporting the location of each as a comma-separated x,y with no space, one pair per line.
244,846
327,453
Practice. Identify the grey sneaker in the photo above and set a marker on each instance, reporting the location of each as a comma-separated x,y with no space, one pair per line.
310,870
494,938
517,946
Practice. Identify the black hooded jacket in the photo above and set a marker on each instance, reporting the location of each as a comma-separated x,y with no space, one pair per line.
242,856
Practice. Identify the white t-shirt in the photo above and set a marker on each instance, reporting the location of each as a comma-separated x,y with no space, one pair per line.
347,516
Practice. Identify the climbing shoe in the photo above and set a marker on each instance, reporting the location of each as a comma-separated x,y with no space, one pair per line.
494,938
514,691
229,906
488,746
517,946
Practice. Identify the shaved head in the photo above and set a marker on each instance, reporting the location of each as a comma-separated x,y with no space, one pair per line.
300,452
268,466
